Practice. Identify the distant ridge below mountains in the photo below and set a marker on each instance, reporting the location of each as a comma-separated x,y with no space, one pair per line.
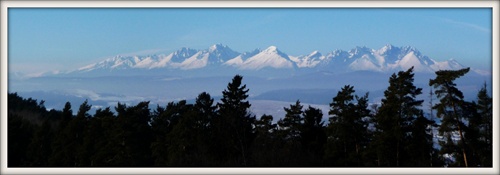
221,58
271,74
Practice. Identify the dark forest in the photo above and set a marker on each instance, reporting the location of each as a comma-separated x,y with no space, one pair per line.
395,133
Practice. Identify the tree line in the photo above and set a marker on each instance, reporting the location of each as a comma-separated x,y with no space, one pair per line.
226,134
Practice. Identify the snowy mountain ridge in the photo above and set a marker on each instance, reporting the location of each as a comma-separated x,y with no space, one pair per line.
387,58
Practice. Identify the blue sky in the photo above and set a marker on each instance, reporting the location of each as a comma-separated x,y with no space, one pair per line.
64,39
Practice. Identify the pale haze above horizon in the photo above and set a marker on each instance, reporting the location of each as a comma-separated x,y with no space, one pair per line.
47,39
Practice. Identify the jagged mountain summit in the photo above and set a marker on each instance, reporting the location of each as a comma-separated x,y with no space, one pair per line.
270,57
386,59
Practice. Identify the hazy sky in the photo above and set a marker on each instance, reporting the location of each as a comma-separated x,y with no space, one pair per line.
63,39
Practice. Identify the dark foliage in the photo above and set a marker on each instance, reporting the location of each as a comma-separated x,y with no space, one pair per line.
348,133
454,113
227,134
401,129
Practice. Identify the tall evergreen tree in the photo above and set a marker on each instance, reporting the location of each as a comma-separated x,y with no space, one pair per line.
83,152
450,110
289,135
397,125
205,111
485,112
347,131
478,133
313,136
191,137
291,124
67,114
234,124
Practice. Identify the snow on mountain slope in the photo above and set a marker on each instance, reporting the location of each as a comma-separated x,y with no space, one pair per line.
337,60
144,62
238,61
389,58
271,57
219,54
310,60
198,60
365,62
184,58
447,65
151,62
411,60
216,55
181,54
117,62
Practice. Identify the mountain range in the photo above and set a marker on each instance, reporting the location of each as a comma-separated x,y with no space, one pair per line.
271,74
387,58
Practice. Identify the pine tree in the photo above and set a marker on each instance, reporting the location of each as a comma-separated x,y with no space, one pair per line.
191,137
347,131
67,114
313,136
291,124
472,133
289,136
478,133
205,111
400,124
234,124
485,112
450,110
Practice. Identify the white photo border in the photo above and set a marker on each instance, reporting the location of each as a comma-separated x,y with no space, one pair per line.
5,5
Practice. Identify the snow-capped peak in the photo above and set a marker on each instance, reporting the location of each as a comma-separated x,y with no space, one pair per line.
270,57
309,61
240,59
408,49
314,54
274,50
185,52
387,58
181,54
220,53
216,46
386,48
359,51
271,49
